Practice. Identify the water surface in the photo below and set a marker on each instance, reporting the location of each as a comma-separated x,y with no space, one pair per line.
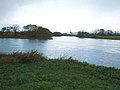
96,51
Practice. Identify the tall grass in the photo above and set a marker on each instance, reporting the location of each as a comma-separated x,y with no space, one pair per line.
21,57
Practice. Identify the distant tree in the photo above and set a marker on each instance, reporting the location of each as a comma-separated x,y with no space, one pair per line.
57,34
30,27
13,28
8,29
16,28
99,32
116,33
82,33
3,29
109,32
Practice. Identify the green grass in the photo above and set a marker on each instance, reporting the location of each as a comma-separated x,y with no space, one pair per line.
58,74
105,37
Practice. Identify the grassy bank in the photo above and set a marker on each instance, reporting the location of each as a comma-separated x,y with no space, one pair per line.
105,37
55,74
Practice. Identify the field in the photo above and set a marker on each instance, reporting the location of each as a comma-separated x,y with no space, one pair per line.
57,74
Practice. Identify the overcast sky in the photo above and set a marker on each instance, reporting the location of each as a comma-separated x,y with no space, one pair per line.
62,15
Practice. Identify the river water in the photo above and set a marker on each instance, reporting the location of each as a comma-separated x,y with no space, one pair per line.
95,51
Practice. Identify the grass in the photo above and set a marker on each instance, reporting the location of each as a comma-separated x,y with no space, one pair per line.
106,37
57,74
21,57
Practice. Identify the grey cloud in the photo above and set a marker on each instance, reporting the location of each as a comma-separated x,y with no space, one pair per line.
97,6
106,5
7,6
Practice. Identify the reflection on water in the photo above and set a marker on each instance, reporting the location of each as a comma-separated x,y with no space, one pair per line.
95,51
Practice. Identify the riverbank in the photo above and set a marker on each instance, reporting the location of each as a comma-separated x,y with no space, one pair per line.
26,37
32,71
97,37
103,37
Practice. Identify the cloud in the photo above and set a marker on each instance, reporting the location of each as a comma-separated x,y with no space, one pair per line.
58,14
106,6
7,6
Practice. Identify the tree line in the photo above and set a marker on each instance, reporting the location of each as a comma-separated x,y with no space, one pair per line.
83,33
38,32
98,32
28,31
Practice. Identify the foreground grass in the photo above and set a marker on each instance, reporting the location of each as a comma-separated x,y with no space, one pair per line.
58,74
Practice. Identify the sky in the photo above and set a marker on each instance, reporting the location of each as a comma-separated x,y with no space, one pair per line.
62,15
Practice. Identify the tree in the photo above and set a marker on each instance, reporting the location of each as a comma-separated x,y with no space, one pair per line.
38,32
30,27
43,33
82,33
99,32
16,28
3,29
109,32
13,28
30,30
57,34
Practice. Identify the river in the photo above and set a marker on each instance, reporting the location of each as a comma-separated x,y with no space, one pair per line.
95,51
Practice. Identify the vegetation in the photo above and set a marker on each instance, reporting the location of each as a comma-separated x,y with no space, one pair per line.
66,34
82,34
100,34
21,57
37,32
57,34
62,34
38,73
105,37
29,32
